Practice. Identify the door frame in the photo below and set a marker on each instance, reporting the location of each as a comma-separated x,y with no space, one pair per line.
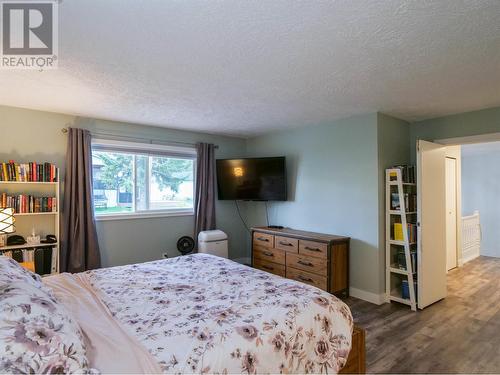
454,152
454,186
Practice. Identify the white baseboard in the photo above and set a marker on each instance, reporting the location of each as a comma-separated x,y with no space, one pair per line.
468,257
377,299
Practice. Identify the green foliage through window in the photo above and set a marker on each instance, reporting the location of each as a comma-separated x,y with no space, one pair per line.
169,172
129,182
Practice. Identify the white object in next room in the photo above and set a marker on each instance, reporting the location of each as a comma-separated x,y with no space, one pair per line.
213,242
471,237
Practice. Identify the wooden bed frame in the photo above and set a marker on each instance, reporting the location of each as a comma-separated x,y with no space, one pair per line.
356,363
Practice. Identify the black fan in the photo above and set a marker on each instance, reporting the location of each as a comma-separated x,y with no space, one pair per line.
185,245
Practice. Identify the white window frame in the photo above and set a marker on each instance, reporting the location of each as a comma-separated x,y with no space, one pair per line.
146,149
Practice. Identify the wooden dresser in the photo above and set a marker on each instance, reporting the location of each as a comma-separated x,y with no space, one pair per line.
321,260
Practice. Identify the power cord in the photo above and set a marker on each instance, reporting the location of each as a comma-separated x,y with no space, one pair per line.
241,217
267,214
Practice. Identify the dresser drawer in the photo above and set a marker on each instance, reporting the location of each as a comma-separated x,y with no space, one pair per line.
263,239
271,255
287,244
307,263
274,268
313,248
306,277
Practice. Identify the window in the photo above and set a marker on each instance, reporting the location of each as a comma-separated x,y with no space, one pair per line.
132,179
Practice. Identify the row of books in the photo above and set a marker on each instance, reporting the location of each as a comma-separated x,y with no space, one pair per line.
408,173
29,172
41,260
405,290
400,260
28,203
410,202
412,232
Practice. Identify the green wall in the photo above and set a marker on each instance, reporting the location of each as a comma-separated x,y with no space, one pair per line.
27,135
393,149
337,185
461,125
333,182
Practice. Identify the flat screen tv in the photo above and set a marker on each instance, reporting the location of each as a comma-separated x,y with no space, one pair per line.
256,179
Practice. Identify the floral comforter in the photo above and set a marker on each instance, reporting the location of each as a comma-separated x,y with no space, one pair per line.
205,314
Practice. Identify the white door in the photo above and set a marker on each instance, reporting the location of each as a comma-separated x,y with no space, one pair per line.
431,191
451,213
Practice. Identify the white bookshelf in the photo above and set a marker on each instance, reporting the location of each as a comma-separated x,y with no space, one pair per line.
395,274
26,246
45,223
36,214
29,182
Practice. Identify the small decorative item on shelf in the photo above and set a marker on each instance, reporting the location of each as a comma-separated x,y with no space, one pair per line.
50,238
15,240
7,221
33,239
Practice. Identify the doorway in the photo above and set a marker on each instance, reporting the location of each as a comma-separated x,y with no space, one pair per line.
451,214
477,176
481,192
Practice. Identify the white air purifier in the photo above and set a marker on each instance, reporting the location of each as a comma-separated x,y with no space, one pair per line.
213,242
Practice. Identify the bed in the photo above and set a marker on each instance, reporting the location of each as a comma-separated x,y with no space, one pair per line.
191,314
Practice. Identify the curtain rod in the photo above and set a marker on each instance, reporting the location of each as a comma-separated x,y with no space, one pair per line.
147,140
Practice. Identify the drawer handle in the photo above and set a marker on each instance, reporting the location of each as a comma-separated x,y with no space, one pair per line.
267,254
267,268
302,278
308,264
263,239
312,248
286,243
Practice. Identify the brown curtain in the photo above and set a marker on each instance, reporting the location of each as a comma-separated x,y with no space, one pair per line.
80,249
205,188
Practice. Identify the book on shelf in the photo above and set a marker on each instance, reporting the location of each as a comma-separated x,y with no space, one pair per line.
411,230
41,260
400,260
405,290
28,172
408,173
23,204
395,202
410,202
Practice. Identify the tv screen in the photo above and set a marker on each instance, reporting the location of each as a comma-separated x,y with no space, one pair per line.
259,179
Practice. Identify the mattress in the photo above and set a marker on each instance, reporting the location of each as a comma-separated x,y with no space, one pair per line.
204,314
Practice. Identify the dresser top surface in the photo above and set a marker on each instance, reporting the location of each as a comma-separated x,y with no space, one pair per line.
301,234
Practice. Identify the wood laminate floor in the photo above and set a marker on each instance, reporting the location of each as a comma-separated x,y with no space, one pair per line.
460,334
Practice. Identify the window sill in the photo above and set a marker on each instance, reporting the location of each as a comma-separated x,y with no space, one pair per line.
145,215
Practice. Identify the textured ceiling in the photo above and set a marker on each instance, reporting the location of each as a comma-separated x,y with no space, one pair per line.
243,68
